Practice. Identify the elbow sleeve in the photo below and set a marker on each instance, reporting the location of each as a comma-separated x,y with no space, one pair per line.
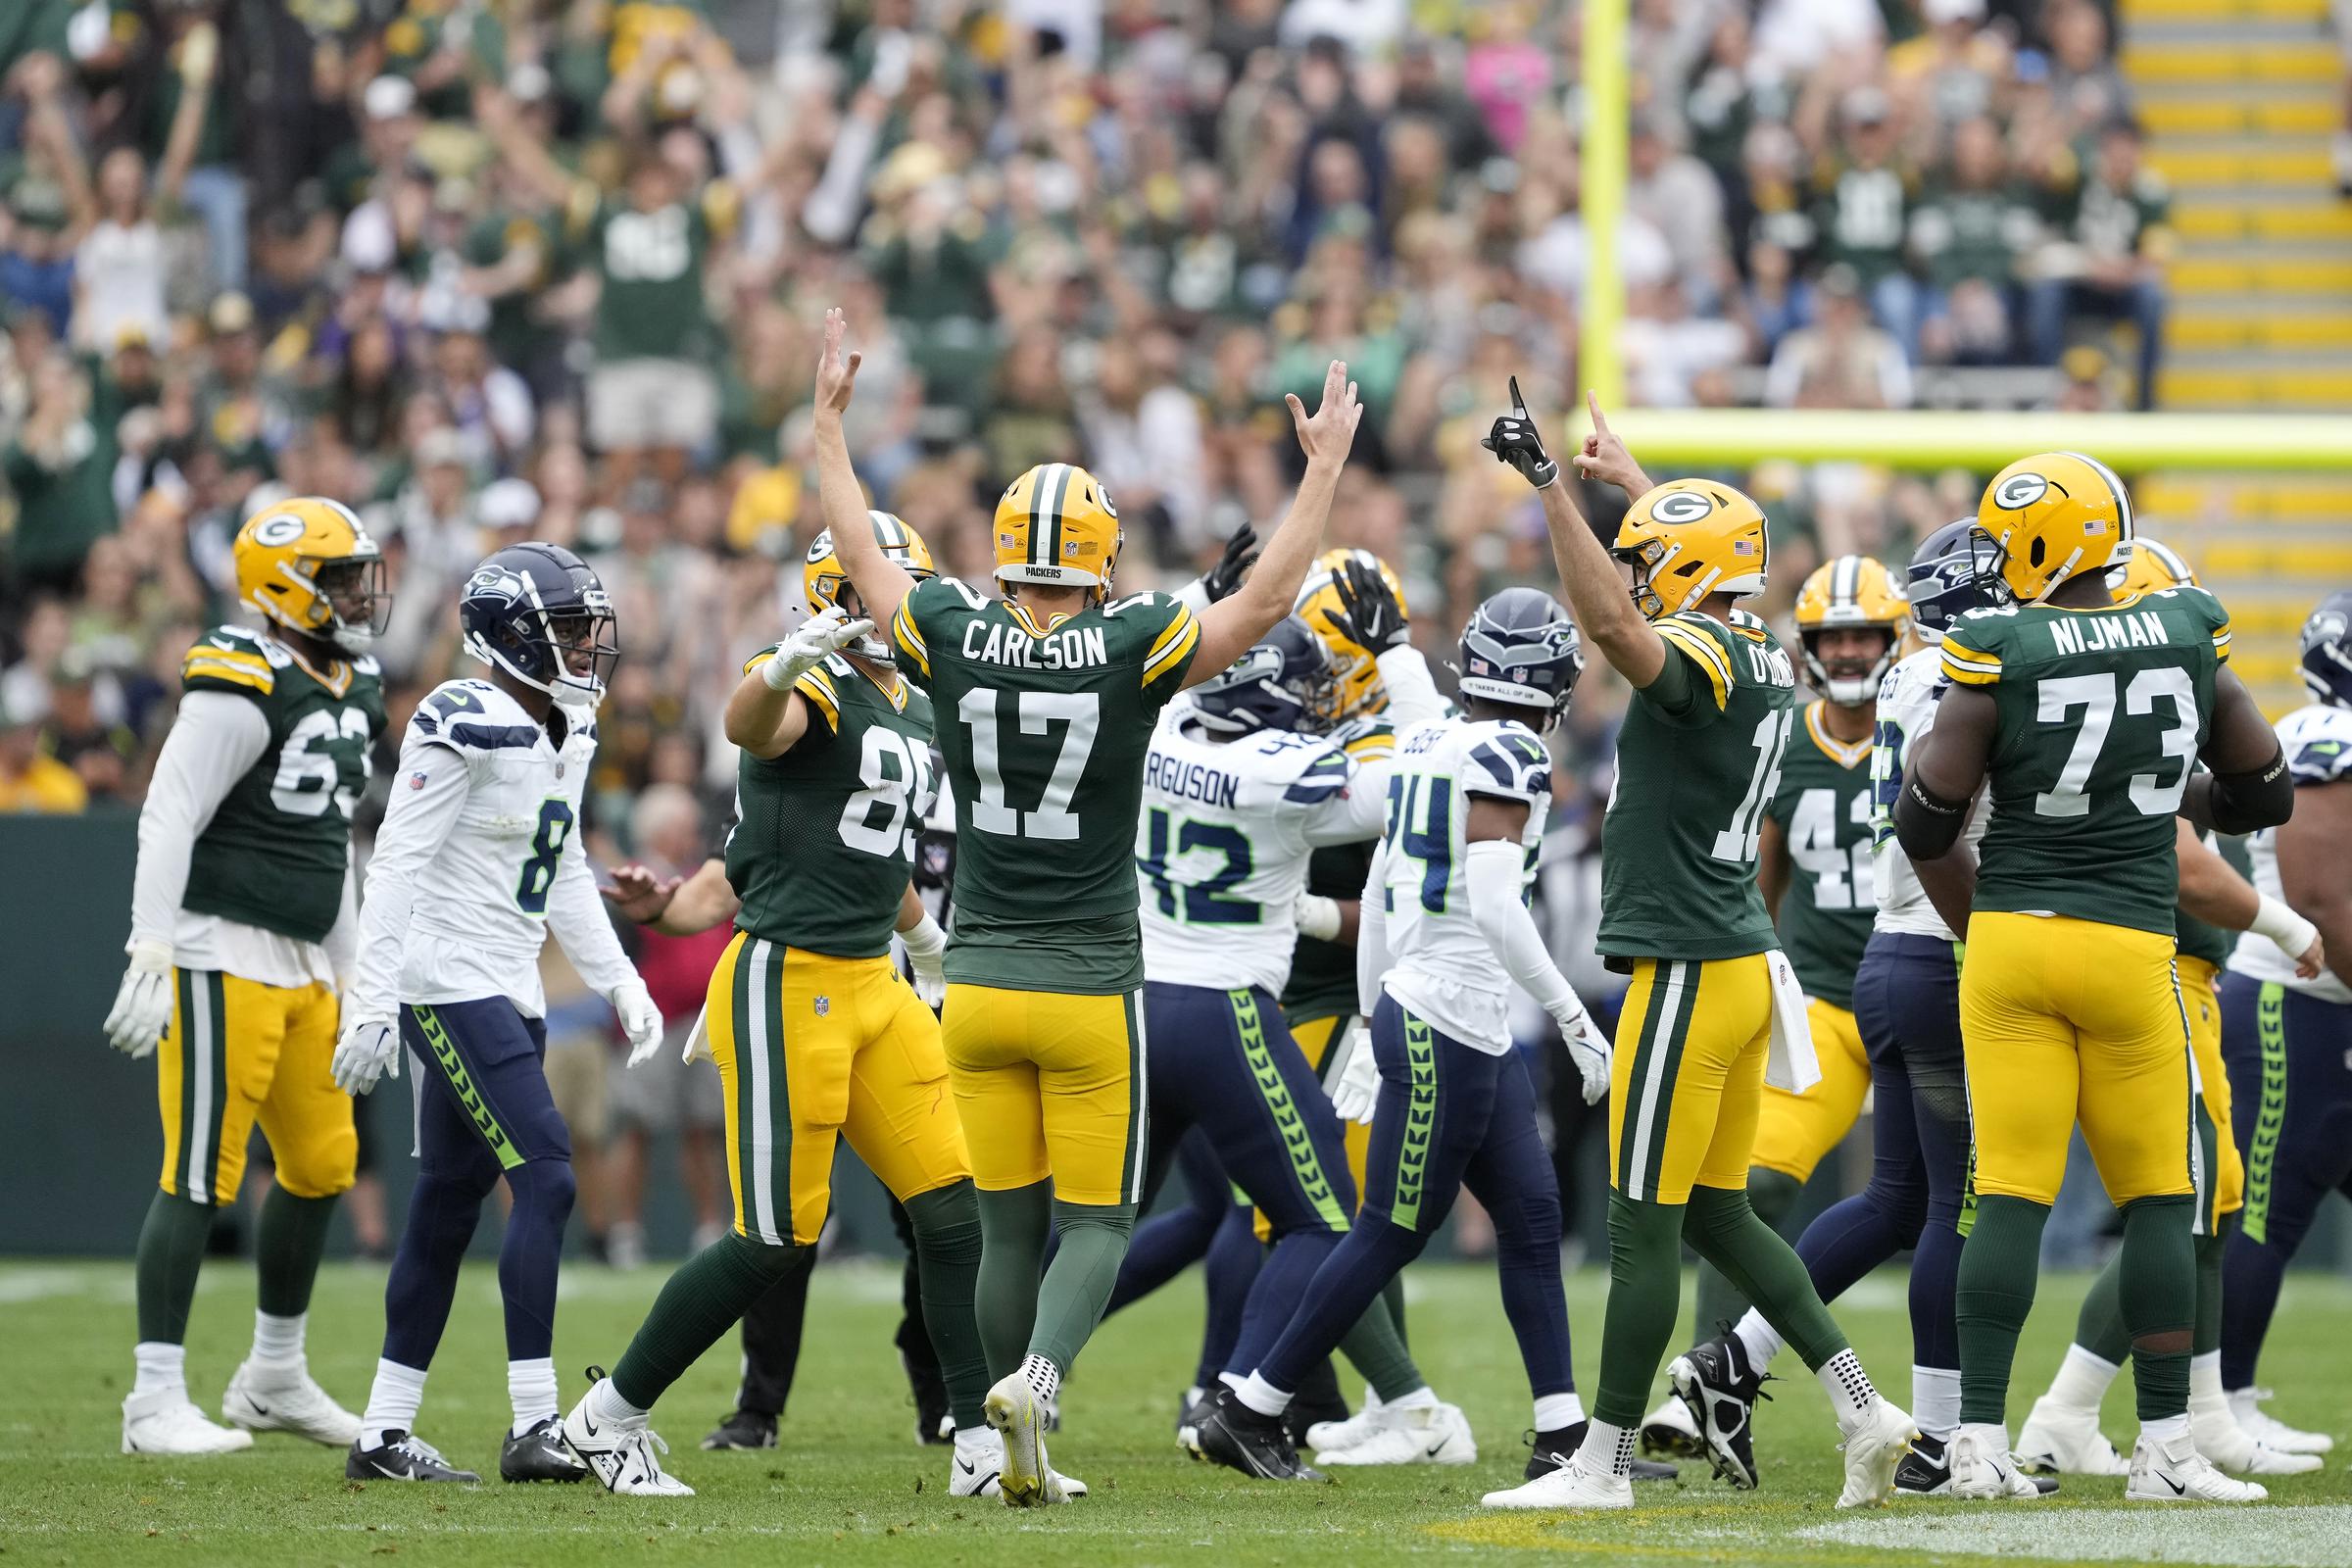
2243,803
1925,823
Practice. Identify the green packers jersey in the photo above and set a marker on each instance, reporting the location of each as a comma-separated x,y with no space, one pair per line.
1677,864
2101,713
1043,730
1322,983
824,835
1823,806
276,851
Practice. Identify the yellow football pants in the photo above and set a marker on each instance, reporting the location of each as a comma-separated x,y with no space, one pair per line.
2227,1189
237,1052
1051,1084
2063,1020
811,1049
1687,1081
1793,1132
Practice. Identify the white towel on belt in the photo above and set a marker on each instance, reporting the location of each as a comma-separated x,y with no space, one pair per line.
1791,1065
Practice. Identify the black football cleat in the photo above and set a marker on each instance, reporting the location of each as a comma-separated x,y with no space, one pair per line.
1926,1471
743,1428
1715,1384
1549,1450
403,1456
1231,1433
540,1455
933,1424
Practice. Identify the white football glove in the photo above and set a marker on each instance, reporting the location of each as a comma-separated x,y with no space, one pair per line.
368,1050
828,631
1316,917
926,956
640,1020
698,1039
1588,1047
1356,1089
143,1002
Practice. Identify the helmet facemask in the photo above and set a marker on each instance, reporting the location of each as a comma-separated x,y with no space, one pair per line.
351,589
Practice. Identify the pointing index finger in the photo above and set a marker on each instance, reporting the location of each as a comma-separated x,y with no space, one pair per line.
1518,403
1600,420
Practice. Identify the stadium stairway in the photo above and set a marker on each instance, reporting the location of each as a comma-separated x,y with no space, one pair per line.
2240,100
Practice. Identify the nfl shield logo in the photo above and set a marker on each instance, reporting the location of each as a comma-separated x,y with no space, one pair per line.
415,781
825,1005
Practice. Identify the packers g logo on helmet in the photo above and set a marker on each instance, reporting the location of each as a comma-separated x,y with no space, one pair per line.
1852,591
2055,515
1055,525
294,561
1688,538
822,578
1356,685
2151,569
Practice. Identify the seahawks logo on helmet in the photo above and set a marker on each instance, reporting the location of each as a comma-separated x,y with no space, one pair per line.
1682,506
282,529
498,583
2021,490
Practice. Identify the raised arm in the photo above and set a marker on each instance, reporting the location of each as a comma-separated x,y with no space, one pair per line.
675,906
1230,625
2249,787
881,582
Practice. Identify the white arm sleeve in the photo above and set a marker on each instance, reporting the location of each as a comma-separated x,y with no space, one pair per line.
576,913
1359,812
1494,871
1414,697
342,942
417,823
1372,934
215,741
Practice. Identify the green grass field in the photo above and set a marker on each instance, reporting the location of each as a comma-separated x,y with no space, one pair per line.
848,1486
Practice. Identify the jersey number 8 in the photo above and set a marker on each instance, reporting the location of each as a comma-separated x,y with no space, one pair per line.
547,853
896,777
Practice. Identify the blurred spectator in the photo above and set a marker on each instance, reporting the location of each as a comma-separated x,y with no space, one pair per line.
32,780
1842,360
1968,233
2106,262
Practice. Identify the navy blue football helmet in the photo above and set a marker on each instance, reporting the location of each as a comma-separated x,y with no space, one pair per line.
1521,647
539,613
2327,649
1955,570
1284,681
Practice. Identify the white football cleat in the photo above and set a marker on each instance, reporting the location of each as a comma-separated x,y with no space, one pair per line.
1569,1486
1982,1467
2226,1443
287,1399
1670,1431
1873,1448
1357,1428
979,1460
1422,1434
2061,1439
622,1454
2269,1431
2175,1472
169,1422
1019,1416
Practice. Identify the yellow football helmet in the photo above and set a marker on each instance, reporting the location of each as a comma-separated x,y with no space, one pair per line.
1356,687
308,565
2152,569
1055,525
2055,515
1688,538
1850,591
822,579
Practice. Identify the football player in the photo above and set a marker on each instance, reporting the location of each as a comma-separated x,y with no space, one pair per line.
243,934
1047,700
1442,935
2088,715
2286,1036
2062,1431
1713,1010
473,866
1813,864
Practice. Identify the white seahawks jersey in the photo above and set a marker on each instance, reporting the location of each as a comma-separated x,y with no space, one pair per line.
1908,699
1222,846
1441,965
475,862
2318,742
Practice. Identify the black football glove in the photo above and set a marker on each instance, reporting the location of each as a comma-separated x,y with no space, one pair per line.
1241,553
1514,440
1369,613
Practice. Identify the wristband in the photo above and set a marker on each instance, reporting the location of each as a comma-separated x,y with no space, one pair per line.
2282,926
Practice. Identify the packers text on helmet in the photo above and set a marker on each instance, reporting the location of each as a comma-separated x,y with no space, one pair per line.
1055,525
2153,567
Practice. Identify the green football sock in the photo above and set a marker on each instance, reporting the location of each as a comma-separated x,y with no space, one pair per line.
1763,1267
2158,1292
1646,1285
1377,1352
2209,1286
705,1298
172,1245
2099,1327
287,1247
1993,1298
1014,1226
946,1259
1077,1286
1392,1292
1773,1196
